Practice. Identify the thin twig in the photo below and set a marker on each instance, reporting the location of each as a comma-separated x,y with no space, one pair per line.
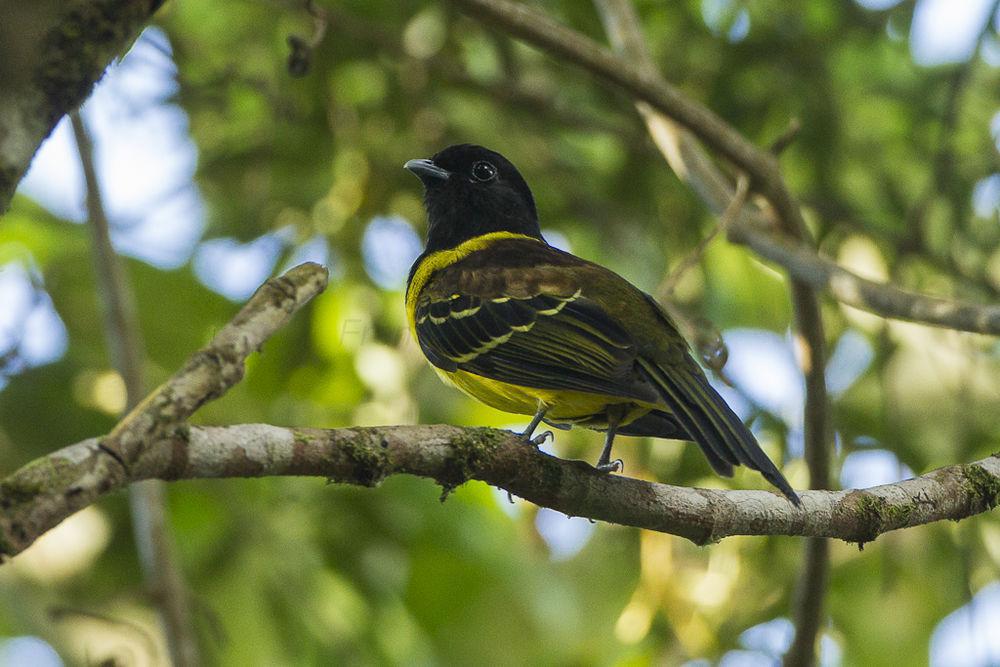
121,327
786,138
731,213
150,520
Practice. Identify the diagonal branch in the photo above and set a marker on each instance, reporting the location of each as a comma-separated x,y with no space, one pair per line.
804,264
669,284
28,511
211,371
880,298
32,498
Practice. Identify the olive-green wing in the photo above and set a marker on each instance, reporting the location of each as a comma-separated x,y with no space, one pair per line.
546,341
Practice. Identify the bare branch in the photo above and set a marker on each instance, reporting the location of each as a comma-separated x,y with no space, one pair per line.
541,31
881,298
120,324
40,495
786,138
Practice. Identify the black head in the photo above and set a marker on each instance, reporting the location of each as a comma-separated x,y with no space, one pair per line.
470,190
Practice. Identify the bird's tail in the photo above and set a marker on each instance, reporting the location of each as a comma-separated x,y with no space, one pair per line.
722,436
659,424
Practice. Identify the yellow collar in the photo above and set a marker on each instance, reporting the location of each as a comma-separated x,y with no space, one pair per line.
444,258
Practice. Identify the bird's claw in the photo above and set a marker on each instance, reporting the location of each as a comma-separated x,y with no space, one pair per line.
614,466
541,438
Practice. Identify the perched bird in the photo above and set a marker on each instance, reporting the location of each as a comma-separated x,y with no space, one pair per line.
530,329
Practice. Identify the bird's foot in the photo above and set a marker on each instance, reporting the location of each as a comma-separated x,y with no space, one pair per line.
612,466
539,439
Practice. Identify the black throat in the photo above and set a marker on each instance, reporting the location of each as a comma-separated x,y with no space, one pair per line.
456,215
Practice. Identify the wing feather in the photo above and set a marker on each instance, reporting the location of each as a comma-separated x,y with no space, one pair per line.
715,427
542,340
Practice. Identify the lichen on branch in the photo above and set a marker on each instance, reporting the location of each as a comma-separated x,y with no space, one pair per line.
38,496
84,38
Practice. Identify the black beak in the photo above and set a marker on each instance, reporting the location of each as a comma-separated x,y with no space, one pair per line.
427,171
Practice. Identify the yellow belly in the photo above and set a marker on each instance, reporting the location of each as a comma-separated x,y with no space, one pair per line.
564,406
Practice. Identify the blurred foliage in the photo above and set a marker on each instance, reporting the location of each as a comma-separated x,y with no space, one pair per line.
293,571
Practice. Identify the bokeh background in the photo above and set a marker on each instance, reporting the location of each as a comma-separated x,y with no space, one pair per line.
219,169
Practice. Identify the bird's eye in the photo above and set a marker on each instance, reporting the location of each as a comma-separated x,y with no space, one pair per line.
483,171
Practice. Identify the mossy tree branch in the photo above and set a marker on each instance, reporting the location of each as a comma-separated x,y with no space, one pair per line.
62,67
41,494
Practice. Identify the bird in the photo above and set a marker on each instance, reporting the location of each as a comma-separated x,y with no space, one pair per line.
530,329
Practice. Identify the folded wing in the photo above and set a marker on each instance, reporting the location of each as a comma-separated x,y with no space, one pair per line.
545,341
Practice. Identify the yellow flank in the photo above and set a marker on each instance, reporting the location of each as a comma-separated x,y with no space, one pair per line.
565,406
442,259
